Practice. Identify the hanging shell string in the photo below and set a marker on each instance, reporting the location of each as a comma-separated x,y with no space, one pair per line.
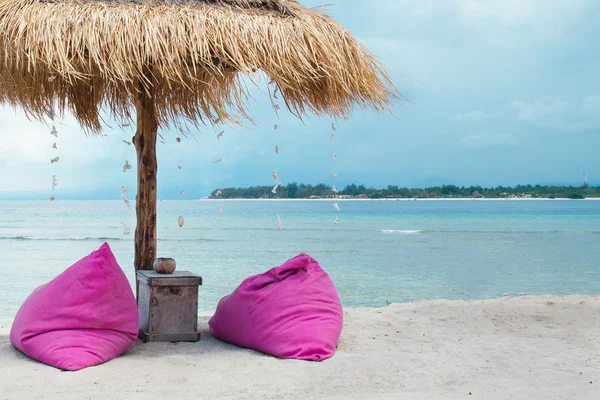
334,175
180,172
125,191
53,132
180,220
278,184
219,192
274,191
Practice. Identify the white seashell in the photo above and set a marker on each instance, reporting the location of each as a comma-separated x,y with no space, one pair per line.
126,166
274,191
181,221
126,230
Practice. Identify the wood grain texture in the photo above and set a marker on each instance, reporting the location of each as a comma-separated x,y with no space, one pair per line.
178,278
144,307
172,337
145,145
168,306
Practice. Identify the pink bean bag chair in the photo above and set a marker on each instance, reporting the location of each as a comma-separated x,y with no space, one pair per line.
84,317
291,311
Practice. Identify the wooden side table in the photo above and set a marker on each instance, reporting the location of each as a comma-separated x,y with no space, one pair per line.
168,306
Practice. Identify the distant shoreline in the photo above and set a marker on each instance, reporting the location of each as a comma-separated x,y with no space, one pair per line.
316,200
388,200
395,192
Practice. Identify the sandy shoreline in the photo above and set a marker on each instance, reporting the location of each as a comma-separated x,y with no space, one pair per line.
527,348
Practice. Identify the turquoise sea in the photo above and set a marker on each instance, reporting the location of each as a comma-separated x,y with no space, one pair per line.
381,251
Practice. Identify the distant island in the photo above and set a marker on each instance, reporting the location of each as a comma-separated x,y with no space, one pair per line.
323,191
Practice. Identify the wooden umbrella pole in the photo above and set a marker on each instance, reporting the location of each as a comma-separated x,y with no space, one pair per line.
145,145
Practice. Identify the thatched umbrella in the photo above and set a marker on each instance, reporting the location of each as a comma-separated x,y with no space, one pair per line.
177,61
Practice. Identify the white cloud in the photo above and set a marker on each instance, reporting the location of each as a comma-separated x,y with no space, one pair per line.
511,10
557,115
410,11
475,11
489,140
474,116
560,115
22,141
507,24
28,142
27,148
514,11
591,103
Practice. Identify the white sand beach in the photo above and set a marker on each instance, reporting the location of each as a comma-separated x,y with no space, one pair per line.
509,348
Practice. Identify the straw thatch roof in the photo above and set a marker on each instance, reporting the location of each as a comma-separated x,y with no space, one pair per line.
88,55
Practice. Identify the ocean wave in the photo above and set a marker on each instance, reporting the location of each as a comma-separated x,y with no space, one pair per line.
483,232
517,232
105,239
60,238
403,232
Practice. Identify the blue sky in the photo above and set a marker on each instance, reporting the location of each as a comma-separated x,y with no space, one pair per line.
503,92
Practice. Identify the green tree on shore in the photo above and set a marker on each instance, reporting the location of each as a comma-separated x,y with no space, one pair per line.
304,191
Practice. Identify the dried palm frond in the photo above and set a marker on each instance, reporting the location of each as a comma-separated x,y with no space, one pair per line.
89,56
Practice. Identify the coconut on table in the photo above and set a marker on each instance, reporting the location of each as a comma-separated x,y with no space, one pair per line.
168,303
